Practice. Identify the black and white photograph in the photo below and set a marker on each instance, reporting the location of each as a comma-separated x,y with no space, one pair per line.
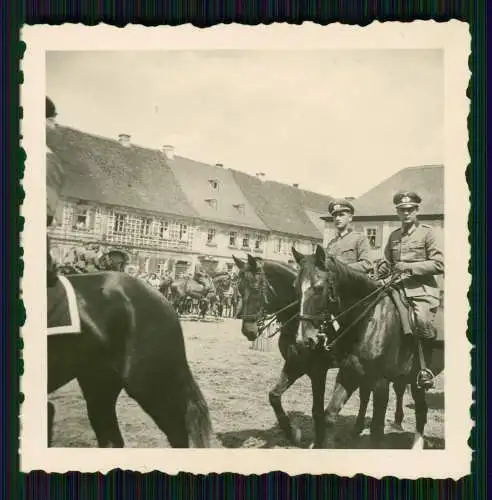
247,249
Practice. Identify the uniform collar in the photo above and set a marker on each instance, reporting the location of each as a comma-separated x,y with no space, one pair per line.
411,230
347,231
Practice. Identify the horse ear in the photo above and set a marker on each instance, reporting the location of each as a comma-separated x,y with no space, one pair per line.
298,256
239,263
252,262
320,256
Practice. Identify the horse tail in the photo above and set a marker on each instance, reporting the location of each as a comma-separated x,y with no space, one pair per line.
197,415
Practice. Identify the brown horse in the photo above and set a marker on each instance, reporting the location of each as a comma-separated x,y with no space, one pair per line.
267,288
131,339
368,345
197,287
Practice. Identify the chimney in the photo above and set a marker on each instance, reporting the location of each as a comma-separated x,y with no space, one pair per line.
124,140
221,165
296,184
261,175
168,151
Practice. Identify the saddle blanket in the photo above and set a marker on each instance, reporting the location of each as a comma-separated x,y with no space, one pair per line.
63,313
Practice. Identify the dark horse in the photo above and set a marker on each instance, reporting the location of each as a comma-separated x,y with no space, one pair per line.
131,339
268,288
369,346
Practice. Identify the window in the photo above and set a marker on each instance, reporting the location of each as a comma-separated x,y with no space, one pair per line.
240,208
119,223
183,232
82,219
371,234
246,241
211,235
232,238
146,227
214,184
258,242
212,203
163,229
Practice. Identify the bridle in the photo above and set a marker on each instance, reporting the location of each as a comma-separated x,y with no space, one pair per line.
327,320
262,319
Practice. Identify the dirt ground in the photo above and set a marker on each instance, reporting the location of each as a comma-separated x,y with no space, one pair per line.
235,377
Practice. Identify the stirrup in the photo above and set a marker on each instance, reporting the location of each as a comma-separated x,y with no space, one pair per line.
425,379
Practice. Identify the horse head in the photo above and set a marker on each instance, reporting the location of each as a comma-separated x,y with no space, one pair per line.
253,288
315,291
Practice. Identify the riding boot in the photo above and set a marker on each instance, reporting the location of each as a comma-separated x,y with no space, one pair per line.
425,378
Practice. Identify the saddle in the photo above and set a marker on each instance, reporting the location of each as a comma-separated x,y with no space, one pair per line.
62,311
405,309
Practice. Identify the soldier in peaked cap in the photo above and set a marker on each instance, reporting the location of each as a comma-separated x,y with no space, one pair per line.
415,250
350,246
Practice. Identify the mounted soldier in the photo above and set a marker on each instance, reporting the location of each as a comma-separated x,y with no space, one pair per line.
348,245
55,179
415,251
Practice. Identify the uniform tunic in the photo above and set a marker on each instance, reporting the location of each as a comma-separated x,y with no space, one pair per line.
54,183
352,248
421,248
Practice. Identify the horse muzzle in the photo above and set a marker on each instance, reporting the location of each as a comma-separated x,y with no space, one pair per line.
250,329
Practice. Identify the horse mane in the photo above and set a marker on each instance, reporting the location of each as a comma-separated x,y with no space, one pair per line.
346,273
280,265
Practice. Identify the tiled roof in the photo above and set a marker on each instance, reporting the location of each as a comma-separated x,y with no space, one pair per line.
102,170
226,204
427,181
282,207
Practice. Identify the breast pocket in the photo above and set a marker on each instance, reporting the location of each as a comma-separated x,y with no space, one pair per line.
348,256
416,250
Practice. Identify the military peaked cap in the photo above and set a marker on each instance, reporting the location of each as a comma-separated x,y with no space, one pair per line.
406,199
340,206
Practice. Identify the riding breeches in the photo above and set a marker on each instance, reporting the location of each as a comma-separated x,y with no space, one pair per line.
425,309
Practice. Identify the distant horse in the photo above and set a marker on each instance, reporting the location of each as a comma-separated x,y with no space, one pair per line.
114,260
165,285
370,347
267,290
131,339
186,288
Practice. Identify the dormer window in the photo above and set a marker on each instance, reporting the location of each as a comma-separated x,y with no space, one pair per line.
212,202
240,208
214,184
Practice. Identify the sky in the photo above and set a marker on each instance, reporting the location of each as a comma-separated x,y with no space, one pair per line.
336,122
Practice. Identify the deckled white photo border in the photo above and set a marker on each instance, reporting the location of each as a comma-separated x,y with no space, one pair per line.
455,460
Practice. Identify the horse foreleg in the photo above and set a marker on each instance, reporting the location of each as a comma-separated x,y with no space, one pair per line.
365,395
51,418
287,377
421,409
399,387
380,405
101,389
318,385
346,383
